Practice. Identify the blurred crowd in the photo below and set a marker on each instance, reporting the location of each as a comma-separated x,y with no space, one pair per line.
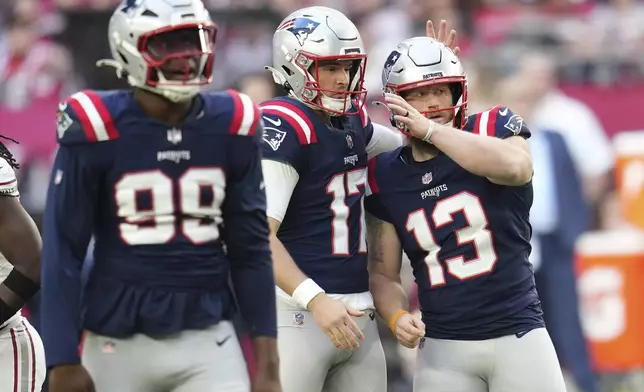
574,69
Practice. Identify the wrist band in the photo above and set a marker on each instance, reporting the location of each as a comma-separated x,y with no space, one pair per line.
392,323
430,131
305,292
21,285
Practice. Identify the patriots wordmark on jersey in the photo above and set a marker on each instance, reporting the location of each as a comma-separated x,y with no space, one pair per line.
174,211
467,238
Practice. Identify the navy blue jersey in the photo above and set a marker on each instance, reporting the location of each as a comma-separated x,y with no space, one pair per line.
323,229
467,238
175,213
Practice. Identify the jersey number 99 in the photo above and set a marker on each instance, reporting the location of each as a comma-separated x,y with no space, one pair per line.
157,225
475,233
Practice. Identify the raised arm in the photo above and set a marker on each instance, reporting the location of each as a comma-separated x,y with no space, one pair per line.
496,148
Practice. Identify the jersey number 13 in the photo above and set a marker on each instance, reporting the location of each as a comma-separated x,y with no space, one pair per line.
476,233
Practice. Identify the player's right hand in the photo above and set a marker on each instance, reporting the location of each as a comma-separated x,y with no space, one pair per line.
448,39
335,318
70,378
409,330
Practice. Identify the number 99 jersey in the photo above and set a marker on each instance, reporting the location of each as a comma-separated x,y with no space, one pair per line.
171,210
467,238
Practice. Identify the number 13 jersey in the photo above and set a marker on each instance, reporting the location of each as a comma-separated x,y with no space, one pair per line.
467,238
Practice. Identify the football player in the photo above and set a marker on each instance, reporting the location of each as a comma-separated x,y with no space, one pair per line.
456,200
168,181
22,356
317,142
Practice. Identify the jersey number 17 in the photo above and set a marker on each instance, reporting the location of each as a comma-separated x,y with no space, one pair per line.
341,187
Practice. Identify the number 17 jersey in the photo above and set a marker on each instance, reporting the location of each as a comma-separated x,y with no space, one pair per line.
323,227
467,238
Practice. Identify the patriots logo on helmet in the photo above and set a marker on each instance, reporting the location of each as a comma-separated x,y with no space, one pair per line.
130,5
300,28
389,64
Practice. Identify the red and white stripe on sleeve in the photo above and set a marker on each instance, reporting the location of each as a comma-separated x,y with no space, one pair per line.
245,115
485,122
93,116
295,117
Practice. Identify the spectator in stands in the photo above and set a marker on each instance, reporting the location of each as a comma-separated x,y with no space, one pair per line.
258,86
572,119
34,74
559,215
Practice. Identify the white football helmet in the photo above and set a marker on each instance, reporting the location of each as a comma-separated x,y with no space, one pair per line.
163,46
423,61
305,38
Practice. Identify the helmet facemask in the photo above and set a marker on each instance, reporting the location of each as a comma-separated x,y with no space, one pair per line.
458,88
179,59
334,102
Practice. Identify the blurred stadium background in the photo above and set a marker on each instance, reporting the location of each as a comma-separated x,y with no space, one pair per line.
573,68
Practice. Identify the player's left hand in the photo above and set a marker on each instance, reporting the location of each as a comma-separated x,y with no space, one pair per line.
417,124
448,39
409,329
266,380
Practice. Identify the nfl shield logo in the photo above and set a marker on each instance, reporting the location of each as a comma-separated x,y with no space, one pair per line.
108,347
174,136
349,141
298,318
427,178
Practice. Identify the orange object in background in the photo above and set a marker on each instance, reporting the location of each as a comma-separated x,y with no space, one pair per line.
611,293
629,165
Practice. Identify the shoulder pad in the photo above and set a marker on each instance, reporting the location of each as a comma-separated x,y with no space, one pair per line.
8,181
372,183
234,112
84,118
245,115
499,122
286,116
379,168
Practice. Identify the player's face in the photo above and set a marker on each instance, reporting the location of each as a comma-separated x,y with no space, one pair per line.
334,75
432,98
180,52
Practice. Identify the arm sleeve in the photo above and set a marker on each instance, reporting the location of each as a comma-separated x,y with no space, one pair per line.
68,226
280,180
246,236
500,122
382,140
